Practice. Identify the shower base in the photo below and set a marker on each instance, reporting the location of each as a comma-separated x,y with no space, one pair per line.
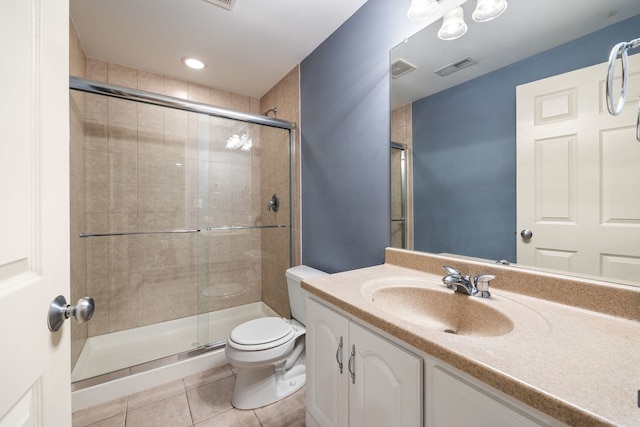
119,353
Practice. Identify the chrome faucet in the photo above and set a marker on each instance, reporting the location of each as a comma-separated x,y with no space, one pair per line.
478,286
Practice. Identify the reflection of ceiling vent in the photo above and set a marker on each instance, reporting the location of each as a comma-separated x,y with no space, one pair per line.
456,66
226,4
400,67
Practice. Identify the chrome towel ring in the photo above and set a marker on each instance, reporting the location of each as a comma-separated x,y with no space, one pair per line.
620,50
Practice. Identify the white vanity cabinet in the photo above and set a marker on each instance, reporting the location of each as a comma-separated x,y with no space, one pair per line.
456,401
357,378
389,378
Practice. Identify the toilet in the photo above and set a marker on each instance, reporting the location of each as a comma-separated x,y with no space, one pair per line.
268,352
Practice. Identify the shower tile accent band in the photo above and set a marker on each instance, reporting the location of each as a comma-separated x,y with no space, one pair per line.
222,228
101,88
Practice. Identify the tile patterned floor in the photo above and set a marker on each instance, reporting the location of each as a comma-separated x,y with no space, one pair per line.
201,400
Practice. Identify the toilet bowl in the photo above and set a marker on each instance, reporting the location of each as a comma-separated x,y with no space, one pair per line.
268,353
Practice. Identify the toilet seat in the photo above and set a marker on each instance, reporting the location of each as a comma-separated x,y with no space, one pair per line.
261,334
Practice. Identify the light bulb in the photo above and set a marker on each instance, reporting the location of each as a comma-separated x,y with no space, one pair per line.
422,9
247,145
453,25
486,10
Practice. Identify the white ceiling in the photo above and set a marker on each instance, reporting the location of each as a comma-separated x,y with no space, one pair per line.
526,28
247,50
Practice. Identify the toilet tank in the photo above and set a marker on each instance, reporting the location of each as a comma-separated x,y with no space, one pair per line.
297,295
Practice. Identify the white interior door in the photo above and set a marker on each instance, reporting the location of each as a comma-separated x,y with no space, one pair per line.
578,175
34,212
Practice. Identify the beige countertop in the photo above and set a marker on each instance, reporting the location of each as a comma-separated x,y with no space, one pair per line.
579,366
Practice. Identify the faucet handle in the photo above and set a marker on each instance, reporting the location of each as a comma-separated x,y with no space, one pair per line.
482,284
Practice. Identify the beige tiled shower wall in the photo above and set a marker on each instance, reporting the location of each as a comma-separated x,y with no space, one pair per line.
401,132
150,168
78,267
275,243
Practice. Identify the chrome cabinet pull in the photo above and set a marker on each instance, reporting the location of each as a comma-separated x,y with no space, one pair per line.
352,362
339,355
638,124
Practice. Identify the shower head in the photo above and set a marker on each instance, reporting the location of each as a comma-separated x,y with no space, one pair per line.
273,110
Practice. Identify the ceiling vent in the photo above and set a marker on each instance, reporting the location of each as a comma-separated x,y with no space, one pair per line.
400,67
225,4
456,66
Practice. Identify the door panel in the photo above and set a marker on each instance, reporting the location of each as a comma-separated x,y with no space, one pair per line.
387,389
455,403
577,174
34,212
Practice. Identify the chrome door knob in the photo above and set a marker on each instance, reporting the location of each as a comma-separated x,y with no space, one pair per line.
526,234
59,311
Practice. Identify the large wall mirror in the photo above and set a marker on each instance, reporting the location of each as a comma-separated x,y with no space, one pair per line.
464,126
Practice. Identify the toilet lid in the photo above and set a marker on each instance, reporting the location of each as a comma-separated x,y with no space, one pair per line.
261,331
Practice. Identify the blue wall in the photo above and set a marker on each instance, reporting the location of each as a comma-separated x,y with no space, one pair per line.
464,142
345,127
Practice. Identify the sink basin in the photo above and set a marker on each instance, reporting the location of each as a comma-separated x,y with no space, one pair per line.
441,309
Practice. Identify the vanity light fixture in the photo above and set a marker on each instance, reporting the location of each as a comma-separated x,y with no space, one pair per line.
453,25
193,63
486,10
422,9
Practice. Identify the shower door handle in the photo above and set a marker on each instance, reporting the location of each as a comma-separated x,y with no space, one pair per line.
59,311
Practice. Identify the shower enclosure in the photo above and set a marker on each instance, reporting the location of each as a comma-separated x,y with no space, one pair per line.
398,196
181,223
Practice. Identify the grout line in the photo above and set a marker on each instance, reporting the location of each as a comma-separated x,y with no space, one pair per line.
193,423
256,415
126,411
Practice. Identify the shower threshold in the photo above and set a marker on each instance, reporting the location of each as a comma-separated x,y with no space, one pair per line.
119,354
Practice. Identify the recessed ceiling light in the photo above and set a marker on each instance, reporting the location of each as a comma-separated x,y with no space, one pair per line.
194,63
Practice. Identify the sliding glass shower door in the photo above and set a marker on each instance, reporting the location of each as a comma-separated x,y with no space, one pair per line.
244,220
182,227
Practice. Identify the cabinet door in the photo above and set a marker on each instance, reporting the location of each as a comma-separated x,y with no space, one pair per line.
454,402
388,382
327,398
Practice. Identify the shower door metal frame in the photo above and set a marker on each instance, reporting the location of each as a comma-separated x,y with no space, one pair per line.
91,86
115,91
403,193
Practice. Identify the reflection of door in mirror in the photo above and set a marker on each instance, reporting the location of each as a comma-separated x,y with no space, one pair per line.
398,196
578,175
401,179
